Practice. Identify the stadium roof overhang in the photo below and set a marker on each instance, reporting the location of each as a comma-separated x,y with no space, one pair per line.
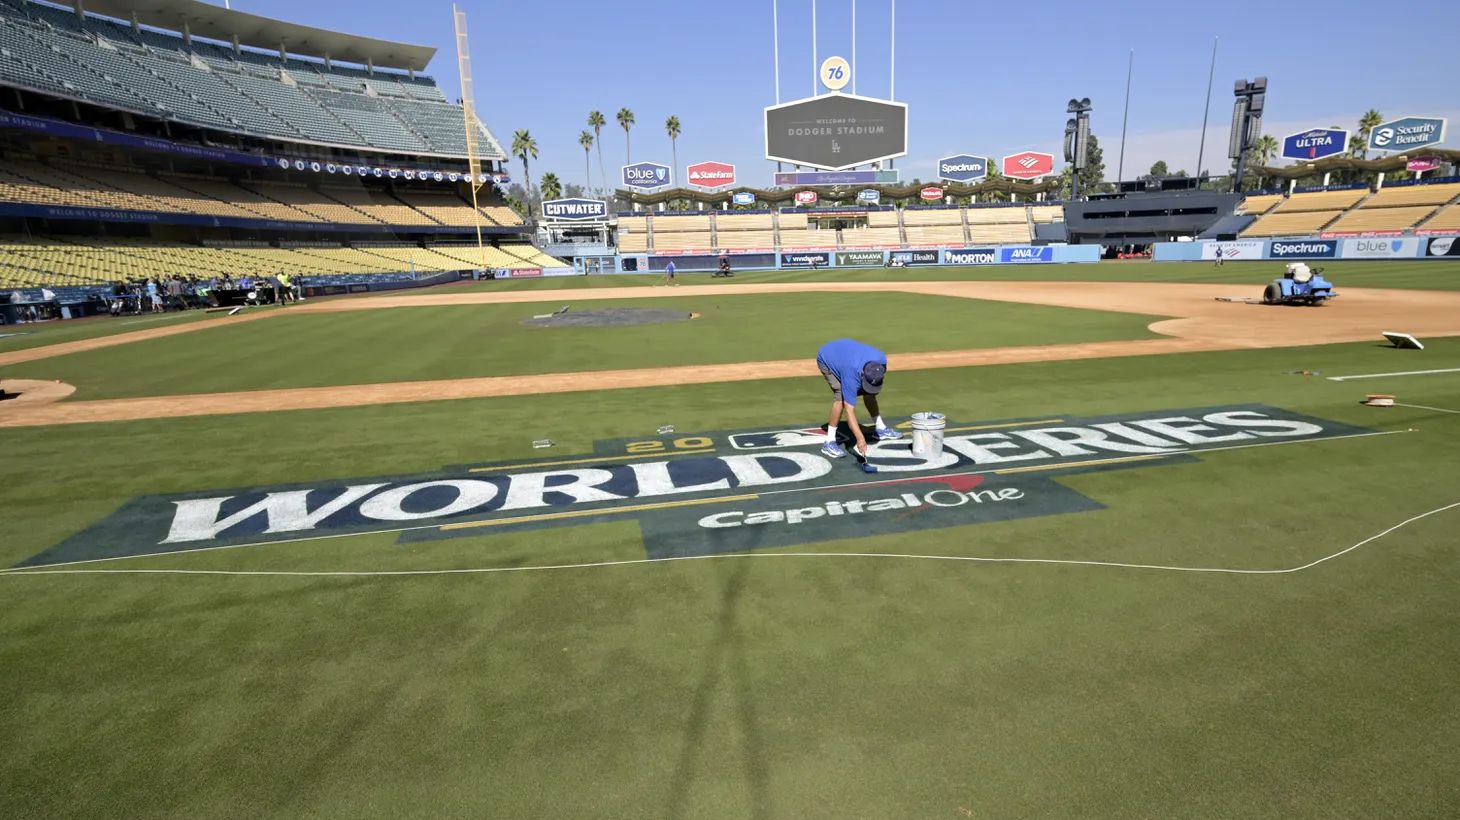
222,24
845,192
1327,165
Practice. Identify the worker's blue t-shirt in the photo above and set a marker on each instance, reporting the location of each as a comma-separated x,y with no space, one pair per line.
669,268
845,359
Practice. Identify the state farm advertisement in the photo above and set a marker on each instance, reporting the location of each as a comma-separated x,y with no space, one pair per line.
711,174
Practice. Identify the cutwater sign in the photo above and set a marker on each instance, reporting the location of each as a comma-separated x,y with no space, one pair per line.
1303,249
646,175
1044,254
963,168
971,256
574,209
714,492
1315,144
1408,133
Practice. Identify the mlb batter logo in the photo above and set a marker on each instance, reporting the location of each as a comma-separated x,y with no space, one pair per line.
778,439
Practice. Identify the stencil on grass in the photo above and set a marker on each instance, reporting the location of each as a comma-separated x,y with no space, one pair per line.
609,317
721,492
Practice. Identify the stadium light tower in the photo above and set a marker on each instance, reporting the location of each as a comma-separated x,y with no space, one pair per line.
1077,140
1246,123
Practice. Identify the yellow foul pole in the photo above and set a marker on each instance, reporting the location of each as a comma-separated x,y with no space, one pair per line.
469,113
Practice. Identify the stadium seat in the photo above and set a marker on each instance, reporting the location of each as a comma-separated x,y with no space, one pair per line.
1414,195
807,238
1322,201
1281,223
1381,219
1256,205
871,238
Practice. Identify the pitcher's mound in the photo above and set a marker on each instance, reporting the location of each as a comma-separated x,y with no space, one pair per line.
32,391
610,316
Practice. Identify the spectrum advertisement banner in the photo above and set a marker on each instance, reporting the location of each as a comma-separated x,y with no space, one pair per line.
1303,249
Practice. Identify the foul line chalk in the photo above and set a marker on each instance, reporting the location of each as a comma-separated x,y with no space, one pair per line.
609,511
637,561
1401,373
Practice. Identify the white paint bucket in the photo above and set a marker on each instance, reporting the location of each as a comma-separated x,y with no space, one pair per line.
927,434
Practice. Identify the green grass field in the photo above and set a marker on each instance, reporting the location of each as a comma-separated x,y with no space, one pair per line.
425,343
747,687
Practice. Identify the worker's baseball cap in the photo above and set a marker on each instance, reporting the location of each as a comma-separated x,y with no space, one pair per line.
872,375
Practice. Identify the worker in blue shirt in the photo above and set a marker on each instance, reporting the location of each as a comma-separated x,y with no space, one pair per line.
853,369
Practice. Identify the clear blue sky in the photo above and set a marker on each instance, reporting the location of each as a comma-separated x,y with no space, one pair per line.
979,78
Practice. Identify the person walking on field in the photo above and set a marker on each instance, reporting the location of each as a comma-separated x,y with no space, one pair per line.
853,369
1219,256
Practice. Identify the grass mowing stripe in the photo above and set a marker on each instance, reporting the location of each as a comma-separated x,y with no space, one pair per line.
589,460
23,570
1401,373
638,561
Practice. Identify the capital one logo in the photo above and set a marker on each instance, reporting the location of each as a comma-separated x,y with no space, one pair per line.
711,174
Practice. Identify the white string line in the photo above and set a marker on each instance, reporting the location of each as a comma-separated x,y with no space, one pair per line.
1426,407
636,561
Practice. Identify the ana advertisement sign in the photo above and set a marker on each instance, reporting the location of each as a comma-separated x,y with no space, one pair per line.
1025,255
805,197
931,192
645,176
1380,248
1421,164
710,174
963,168
859,259
574,209
1243,251
869,196
1407,134
805,259
1303,249
1028,165
971,256
743,198
1443,246
1315,143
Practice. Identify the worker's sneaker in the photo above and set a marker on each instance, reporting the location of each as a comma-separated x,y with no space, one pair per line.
831,449
888,434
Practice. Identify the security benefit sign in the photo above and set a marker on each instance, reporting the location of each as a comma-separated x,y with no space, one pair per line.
707,493
1407,134
835,131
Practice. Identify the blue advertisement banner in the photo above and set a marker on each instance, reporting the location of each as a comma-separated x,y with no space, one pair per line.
1303,249
837,178
971,256
646,175
1316,143
1026,254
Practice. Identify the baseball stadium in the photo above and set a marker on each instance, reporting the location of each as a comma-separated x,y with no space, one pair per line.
357,464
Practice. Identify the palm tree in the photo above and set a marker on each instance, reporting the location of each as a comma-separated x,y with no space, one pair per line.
596,122
523,146
625,119
1265,149
1367,123
585,139
550,186
671,127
